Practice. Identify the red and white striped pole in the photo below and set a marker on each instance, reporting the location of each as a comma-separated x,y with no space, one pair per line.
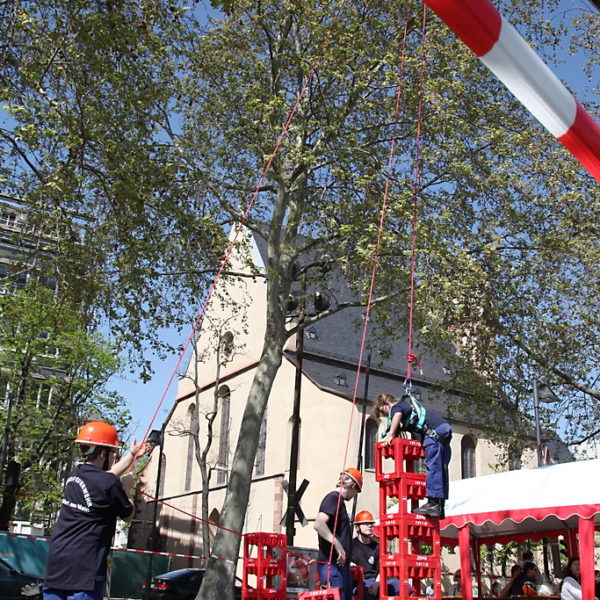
500,47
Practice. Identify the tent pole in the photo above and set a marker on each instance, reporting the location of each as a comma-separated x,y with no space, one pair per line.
586,557
477,559
572,542
464,544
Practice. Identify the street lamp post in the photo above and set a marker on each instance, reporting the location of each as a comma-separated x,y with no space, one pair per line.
320,303
156,438
541,393
290,530
536,414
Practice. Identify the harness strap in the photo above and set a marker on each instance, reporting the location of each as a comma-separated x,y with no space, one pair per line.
444,440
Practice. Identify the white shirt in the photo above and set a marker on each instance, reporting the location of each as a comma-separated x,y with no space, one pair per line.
571,589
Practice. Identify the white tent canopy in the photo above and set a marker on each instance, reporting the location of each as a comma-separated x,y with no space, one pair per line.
528,503
550,498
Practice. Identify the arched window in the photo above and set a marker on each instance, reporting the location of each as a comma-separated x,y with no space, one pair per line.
546,456
467,457
214,521
370,441
225,408
189,465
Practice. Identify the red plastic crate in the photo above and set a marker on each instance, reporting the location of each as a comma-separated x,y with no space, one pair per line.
265,594
406,535
265,560
326,594
407,490
401,454
358,577
415,565
412,574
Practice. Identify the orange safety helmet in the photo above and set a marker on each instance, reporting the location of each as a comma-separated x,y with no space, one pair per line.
97,433
364,517
355,475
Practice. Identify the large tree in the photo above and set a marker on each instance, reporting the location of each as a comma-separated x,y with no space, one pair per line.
158,121
52,377
493,196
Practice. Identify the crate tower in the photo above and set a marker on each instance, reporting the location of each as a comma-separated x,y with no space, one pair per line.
409,544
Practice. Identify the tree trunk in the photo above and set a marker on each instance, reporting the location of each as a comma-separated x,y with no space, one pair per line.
219,578
9,502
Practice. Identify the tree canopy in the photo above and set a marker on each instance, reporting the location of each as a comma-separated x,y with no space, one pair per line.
155,120
52,378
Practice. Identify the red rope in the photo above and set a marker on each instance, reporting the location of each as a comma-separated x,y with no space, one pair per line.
197,518
399,94
411,357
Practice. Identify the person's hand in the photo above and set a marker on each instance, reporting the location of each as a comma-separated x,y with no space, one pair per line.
341,558
373,589
387,440
144,447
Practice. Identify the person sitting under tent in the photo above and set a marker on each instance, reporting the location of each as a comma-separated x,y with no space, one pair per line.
570,586
435,434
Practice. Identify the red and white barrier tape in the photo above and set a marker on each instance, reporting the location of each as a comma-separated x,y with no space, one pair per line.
500,47
47,539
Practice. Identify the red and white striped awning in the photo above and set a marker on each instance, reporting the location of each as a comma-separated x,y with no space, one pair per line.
500,47
525,503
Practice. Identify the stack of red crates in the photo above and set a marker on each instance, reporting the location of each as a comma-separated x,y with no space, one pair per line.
265,562
409,544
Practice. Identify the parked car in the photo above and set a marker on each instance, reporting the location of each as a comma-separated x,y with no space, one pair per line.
16,585
182,584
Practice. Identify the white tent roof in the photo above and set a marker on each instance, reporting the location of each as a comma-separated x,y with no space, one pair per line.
544,499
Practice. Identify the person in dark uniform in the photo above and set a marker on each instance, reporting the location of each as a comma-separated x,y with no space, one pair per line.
335,533
435,434
94,497
365,554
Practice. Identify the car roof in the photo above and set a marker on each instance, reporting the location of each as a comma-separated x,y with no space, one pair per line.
179,573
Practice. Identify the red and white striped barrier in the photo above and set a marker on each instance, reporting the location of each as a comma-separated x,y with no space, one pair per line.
500,47
47,539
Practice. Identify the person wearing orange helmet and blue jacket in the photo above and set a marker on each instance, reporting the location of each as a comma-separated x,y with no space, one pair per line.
335,533
94,496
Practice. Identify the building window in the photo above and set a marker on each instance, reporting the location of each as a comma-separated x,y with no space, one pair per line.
190,449
311,333
261,450
223,462
467,457
341,380
370,441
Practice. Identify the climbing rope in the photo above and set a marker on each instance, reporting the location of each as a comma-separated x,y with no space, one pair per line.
385,201
411,357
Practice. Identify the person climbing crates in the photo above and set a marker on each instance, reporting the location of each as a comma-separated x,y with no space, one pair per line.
433,431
